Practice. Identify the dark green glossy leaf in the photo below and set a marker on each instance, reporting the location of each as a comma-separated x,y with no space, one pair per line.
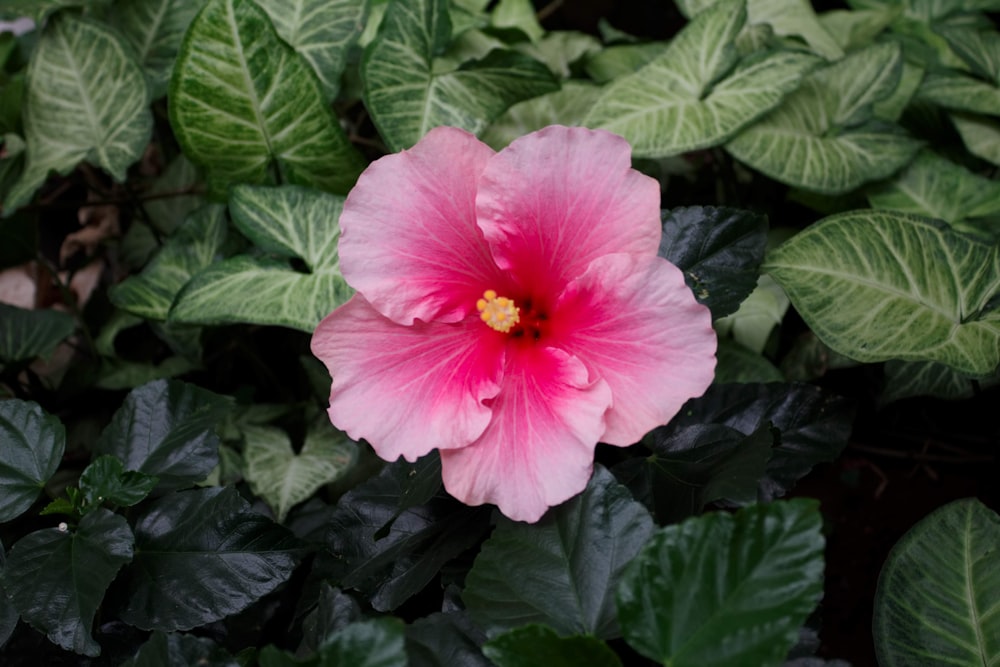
8,612
238,556
693,466
33,445
164,429
370,643
106,480
939,591
175,650
724,589
445,640
57,578
540,646
739,364
813,425
388,552
26,334
720,251
560,571
334,611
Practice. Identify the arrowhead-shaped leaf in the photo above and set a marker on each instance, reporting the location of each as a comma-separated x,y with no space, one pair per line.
560,571
242,101
57,578
33,445
824,137
26,334
289,222
725,589
164,429
408,93
877,285
283,478
189,250
238,556
86,99
697,93
939,591
321,31
155,28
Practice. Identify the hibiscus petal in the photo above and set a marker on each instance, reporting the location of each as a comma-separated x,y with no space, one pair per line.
556,199
538,450
408,389
409,240
636,324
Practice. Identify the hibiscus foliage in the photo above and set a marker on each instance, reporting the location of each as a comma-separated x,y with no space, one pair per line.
376,333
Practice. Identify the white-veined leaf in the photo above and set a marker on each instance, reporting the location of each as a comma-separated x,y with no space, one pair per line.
691,96
283,478
288,222
242,101
878,285
407,95
960,92
322,31
823,138
86,99
155,29
980,134
904,379
566,106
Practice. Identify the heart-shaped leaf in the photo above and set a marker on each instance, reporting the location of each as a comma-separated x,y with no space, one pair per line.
154,29
725,589
26,334
86,100
877,285
238,555
283,478
286,221
74,568
697,93
408,90
824,137
560,571
939,591
243,101
33,445
164,429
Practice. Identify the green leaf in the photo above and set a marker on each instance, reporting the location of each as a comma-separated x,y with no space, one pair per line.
904,379
954,90
739,364
243,102
389,547
173,650
517,14
566,106
193,247
560,571
752,323
8,613
155,28
369,643
621,60
724,589
877,285
979,48
697,93
334,610
560,50
856,29
445,640
164,429
718,249
166,213
939,590
937,188
321,31
980,134
283,478
26,334
288,222
106,480
57,578
408,91
540,646
813,425
33,445
694,466
86,100
824,137
39,9
238,556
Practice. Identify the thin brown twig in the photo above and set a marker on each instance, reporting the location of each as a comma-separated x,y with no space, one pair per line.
549,9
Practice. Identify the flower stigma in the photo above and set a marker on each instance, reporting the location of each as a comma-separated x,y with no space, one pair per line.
498,312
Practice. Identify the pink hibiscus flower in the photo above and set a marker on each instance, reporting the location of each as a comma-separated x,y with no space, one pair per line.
511,312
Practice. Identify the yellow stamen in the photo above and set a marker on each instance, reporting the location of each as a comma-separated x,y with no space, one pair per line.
498,313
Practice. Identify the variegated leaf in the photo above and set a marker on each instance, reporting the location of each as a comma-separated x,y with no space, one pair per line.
155,29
